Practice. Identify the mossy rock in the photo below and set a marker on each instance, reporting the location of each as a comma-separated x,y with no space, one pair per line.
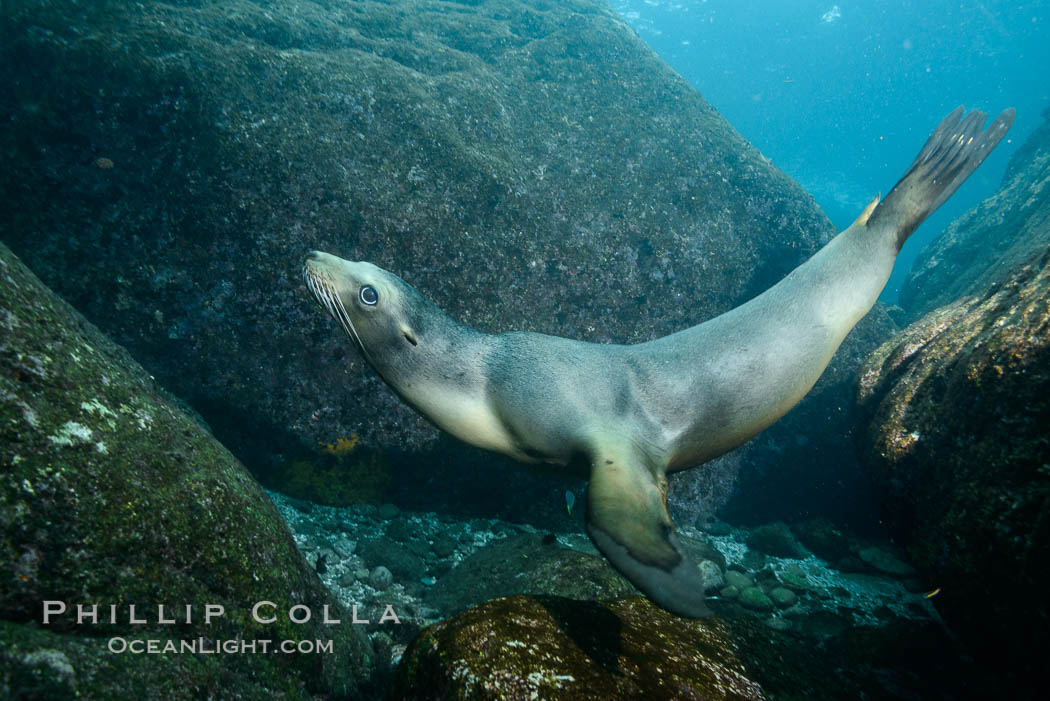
111,493
775,539
526,564
957,407
754,599
559,649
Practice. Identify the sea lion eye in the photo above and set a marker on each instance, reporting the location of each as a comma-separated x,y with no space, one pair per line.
369,295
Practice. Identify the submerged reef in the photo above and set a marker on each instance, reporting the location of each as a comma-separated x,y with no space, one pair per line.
526,164
112,493
865,616
957,411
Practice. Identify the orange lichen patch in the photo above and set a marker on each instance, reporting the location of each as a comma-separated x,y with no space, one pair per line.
342,445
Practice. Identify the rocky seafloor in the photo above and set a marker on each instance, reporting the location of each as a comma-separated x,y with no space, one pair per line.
431,568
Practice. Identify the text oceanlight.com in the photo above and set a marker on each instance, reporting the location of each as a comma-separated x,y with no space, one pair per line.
203,646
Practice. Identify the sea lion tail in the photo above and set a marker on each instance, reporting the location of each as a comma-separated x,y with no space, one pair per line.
953,151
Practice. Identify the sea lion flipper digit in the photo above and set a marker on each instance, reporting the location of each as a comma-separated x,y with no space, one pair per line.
954,150
628,522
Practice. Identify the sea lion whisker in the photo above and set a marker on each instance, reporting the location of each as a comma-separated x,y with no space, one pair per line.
344,318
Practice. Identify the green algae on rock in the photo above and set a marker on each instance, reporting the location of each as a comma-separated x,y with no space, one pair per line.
558,649
112,494
526,564
956,437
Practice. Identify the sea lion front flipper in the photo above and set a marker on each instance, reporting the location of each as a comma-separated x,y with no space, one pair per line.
628,521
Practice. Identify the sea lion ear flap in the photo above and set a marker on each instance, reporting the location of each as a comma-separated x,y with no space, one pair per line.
627,520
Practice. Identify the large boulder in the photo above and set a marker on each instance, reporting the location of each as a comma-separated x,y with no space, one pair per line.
956,438
980,248
526,564
112,494
552,648
527,164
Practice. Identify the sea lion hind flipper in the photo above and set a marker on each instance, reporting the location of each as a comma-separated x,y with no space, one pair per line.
628,522
953,151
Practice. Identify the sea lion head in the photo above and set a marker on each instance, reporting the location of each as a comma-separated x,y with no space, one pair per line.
381,313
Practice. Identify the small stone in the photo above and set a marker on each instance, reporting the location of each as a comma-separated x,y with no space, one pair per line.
380,578
360,573
753,598
793,581
783,597
775,539
347,579
729,592
885,563
344,547
388,511
753,560
444,545
739,580
778,623
766,579
714,580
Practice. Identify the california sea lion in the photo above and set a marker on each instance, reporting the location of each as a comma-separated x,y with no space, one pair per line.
634,413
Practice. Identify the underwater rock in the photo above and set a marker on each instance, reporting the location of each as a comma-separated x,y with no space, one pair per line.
783,597
823,538
112,494
523,564
753,560
712,576
775,539
444,545
979,249
730,592
753,598
794,578
740,580
956,439
886,563
405,564
552,648
381,578
528,165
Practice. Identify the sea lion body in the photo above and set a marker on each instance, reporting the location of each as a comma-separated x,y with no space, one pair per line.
633,413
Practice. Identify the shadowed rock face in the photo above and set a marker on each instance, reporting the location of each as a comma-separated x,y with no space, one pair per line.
957,411
527,164
112,494
956,438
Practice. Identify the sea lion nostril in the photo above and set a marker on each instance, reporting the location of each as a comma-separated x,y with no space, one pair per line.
313,255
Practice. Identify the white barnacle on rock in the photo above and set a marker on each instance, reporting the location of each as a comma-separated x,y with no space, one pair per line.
100,410
70,434
144,418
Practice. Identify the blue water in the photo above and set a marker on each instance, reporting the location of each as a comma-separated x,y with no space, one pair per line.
841,96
